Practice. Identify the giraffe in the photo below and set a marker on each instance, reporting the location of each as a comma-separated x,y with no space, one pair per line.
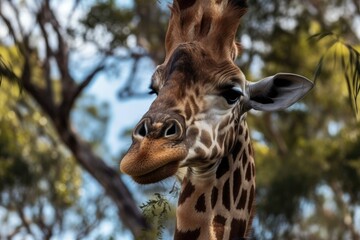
196,127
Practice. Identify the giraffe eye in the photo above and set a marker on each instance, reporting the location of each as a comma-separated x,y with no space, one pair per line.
152,91
232,95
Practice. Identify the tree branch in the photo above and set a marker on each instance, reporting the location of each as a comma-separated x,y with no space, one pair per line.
108,178
73,94
91,224
17,16
62,53
344,210
10,28
49,53
13,233
23,220
274,135
37,93
5,71
127,90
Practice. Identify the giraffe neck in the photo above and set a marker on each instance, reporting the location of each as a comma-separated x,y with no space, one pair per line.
219,207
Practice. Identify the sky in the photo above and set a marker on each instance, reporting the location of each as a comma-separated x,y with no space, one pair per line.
124,113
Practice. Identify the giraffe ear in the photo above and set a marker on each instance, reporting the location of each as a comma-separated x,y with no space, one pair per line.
277,92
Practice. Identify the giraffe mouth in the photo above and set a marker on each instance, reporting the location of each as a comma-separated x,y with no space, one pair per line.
152,160
158,174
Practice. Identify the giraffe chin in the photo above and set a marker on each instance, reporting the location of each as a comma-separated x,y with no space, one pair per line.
158,174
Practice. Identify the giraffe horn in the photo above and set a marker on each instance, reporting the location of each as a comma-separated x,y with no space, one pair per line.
183,4
213,22
224,29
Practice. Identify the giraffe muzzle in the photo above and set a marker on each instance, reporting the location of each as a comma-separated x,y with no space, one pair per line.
157,149
169,129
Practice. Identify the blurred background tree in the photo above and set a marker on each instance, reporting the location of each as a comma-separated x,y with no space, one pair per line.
307,162
308,157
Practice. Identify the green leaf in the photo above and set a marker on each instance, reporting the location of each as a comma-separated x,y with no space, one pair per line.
321,35
7,72
318,68
350,65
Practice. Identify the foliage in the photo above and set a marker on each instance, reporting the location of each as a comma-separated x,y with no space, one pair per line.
159,209
302,153
156,211
5,71
349,58
327,20
36,172
45,202
40,183
140,29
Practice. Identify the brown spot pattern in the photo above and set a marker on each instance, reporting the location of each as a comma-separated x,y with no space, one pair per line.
236,149
188,111
242,201
200,205
226,195
241,129
205,138
200,152
194,105
220,139
236,183
214,197
250,149
190,234
253,169
222,168
188,190
218,225
193,132
197,90
224,123
248,173
246,134
214,152
251,198
238,228
231,137
244,159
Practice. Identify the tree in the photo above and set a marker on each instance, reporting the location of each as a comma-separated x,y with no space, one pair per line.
303,154
40,181
35,64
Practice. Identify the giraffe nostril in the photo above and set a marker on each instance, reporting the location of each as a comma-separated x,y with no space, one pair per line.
173,130
170,131
141,130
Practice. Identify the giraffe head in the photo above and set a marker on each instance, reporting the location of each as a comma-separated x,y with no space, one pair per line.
202,96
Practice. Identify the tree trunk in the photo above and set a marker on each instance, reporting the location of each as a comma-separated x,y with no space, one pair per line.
109,178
